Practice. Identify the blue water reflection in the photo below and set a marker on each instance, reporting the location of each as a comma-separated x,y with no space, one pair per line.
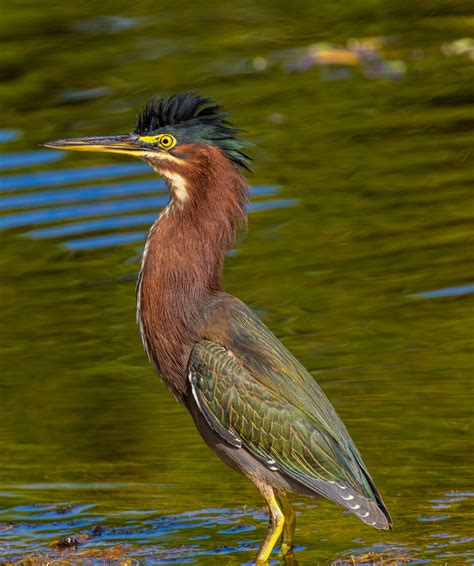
102,208
79,194
64,213
29,158
57,177
113,223
126,221
9,135
446,292
95,192
106,240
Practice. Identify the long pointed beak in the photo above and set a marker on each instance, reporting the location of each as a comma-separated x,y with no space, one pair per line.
128,144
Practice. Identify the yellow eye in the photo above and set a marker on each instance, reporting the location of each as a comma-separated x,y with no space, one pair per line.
167,141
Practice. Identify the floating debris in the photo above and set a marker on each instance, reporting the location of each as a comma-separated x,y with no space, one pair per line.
364,53
69,542
65,543
463,46
375,558
321,54
335,60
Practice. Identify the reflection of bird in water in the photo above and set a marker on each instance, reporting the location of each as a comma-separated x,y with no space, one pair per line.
255,405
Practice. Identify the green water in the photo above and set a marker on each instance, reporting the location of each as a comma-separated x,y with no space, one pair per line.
373,177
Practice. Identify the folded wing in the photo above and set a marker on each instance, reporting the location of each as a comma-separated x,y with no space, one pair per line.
286,422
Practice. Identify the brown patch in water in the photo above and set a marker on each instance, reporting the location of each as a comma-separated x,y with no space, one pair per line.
116,555
375,558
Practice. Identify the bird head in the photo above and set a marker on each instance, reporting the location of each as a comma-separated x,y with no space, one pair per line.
173,134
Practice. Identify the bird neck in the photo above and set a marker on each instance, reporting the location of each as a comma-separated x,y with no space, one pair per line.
183,260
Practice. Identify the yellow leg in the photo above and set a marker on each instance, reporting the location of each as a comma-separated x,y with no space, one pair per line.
289,525
275,528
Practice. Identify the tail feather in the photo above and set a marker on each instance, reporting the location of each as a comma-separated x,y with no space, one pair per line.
371,511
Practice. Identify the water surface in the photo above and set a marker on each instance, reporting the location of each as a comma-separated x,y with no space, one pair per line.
357,257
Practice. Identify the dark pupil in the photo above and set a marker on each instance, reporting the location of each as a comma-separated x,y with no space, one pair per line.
166,141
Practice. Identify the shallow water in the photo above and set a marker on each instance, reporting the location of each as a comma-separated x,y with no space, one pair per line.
357,257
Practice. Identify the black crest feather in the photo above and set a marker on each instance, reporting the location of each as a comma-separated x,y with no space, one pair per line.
194,119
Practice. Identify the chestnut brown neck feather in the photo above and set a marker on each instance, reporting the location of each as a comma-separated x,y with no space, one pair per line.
184,255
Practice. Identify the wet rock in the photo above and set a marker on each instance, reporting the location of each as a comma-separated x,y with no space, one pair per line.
65,543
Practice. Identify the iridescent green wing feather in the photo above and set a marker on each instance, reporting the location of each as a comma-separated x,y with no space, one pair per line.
257,392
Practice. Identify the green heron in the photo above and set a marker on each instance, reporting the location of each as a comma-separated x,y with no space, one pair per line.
254,404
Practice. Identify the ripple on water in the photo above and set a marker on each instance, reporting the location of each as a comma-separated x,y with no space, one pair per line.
7,136
34,528
39,179
29,158
98,215
133,534
446,292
